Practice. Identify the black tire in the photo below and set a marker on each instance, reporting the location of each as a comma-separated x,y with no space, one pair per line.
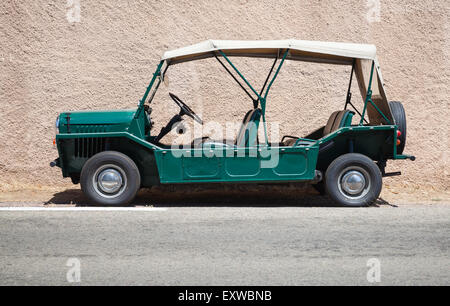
118,166
399,114
349,168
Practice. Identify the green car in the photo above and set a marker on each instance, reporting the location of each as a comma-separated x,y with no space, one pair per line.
114,153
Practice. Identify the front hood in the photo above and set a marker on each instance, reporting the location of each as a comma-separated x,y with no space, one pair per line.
98,117
77,122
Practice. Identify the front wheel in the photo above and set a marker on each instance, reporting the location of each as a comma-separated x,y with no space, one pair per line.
110,178
353,180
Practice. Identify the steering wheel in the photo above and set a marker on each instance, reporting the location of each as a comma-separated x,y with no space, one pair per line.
185,109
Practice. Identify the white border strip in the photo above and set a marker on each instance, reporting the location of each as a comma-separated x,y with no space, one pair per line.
41,208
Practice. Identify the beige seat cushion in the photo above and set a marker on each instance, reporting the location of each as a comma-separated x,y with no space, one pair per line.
331,123
338,120
290,142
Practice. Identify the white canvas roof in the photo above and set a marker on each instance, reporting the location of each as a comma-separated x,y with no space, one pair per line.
299,49
304,50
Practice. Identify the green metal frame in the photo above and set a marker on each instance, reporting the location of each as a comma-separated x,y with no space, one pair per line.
149,87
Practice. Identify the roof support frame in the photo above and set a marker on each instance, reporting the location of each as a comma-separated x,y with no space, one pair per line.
263,101
273,79
349,93
240,74
260,98
368,95
161,78
234,78
156,74
265,82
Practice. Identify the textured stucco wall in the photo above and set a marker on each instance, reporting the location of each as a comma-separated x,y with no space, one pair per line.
49,64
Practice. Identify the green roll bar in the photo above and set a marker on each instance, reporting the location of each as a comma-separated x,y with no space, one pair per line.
262,100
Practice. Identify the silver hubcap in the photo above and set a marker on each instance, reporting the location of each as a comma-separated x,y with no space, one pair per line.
109,181
353,182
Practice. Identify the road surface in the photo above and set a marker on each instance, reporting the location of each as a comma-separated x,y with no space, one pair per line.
226,246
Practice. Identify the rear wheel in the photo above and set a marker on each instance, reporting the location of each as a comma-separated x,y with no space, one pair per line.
110,178
398,111
353,180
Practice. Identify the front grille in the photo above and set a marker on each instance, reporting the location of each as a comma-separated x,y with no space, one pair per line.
87,147
88,128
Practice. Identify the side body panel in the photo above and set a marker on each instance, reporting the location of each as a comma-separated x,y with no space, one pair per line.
237,164
228,164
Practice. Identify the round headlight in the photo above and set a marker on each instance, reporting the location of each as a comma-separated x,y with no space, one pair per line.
57,125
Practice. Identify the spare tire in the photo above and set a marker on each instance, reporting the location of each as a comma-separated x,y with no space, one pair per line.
400,120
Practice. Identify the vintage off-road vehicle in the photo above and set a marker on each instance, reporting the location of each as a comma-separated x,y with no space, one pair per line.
114,153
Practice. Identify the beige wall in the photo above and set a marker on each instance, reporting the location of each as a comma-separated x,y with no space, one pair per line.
49,65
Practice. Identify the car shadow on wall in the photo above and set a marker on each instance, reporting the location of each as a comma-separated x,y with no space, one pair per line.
217,195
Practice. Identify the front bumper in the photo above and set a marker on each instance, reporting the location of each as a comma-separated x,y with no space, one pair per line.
55,163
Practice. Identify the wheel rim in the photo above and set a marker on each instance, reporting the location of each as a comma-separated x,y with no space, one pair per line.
109,181
354,182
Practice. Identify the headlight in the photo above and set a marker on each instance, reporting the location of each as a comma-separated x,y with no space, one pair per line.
56,131
57,125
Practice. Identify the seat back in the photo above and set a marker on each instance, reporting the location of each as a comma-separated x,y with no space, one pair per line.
248,133
337,120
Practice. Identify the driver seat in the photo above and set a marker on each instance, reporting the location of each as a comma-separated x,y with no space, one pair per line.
247,135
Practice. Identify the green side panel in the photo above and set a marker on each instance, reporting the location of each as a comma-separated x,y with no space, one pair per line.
242,167
235,164
292,163
200,168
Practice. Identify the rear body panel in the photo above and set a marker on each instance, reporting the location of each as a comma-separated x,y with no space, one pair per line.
376,142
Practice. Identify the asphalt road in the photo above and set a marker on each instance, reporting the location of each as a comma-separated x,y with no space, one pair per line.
227,246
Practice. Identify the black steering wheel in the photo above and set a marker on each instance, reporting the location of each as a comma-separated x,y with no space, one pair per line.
185,109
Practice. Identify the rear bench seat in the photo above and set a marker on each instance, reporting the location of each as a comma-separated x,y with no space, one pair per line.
337,120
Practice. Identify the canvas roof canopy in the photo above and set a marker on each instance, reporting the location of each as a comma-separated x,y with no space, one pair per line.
362,55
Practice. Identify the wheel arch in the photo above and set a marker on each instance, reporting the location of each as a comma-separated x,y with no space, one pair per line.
77,149
373,142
